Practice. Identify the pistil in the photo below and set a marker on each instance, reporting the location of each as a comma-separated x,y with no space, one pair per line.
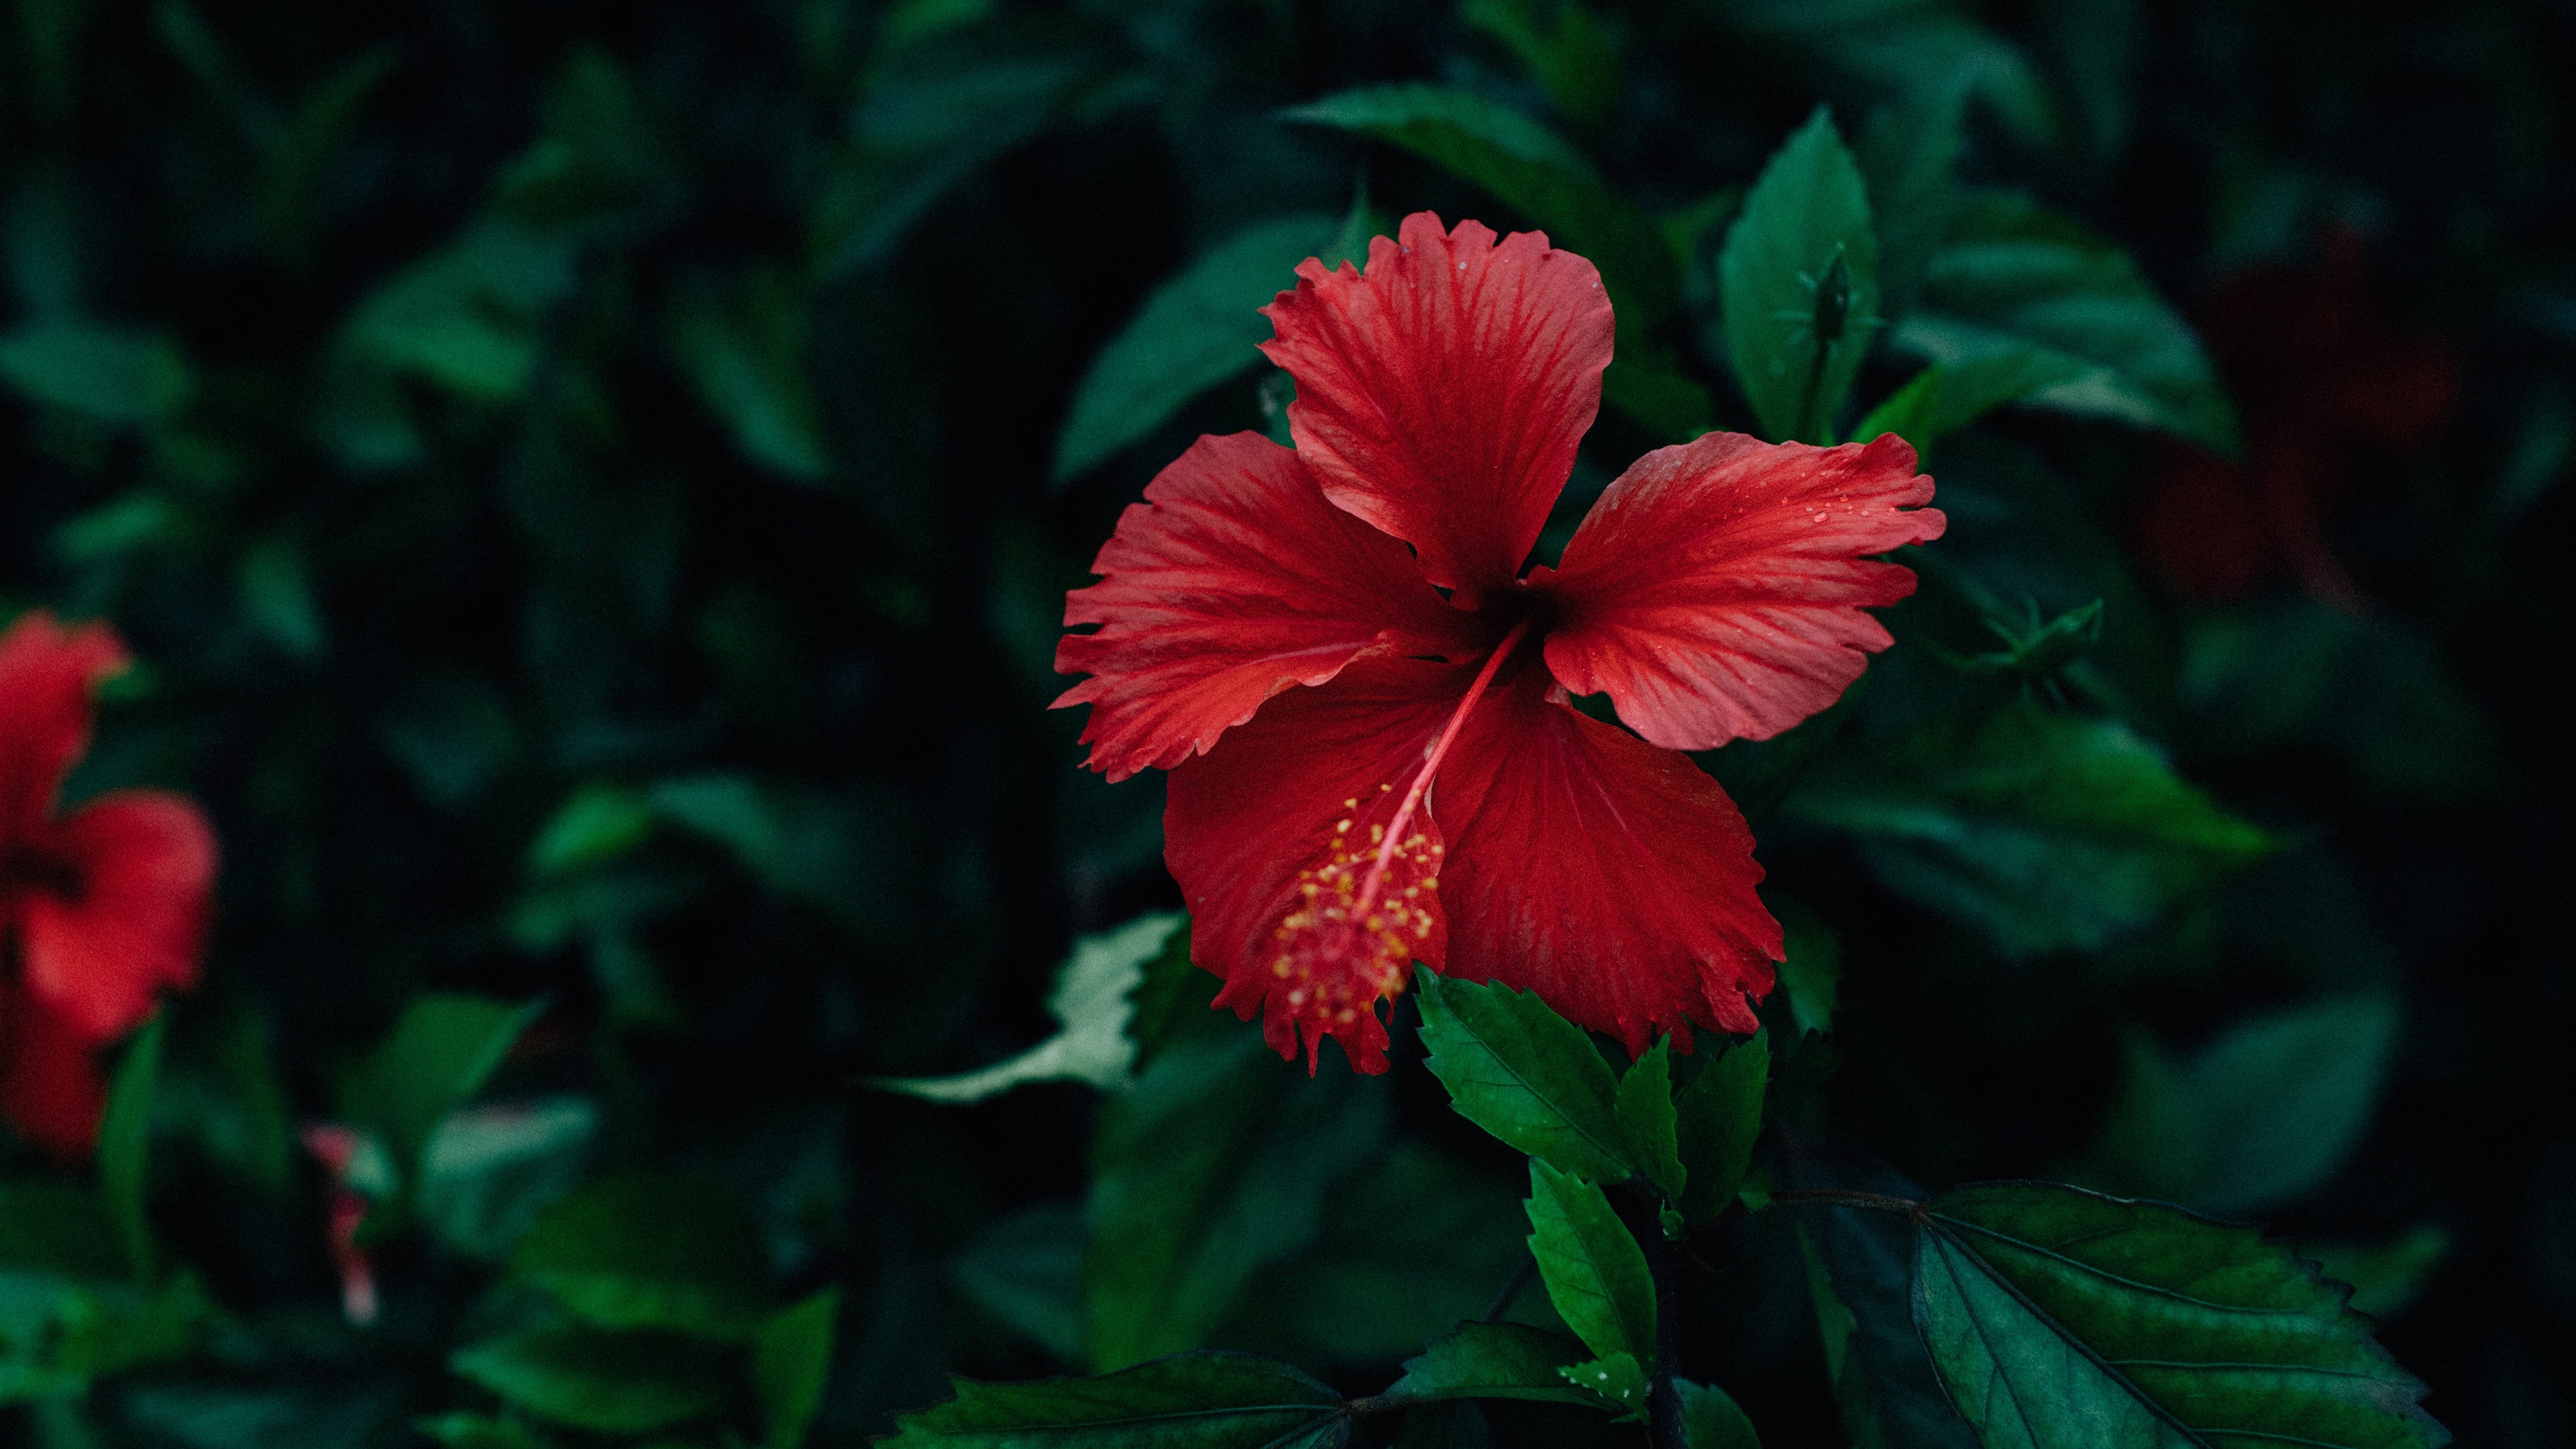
1365,910
1421,786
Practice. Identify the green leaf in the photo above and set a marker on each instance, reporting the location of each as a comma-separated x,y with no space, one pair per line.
1190,1401
442,1050
277,598
1196,330
1946,397
1174,996
488,1172
791,1361
297,166
1813,973
2385,1277
651,1250
466,316
110,1330
1523,1073
744,348
1575,59
923,128
1533,171
480,1431
1594,1271
1493,1361
1645,387
1717,1117
1799,278
1091,1001
1860,1275
1909,151
1026,1271
2016,278
834,851
1212,1167
1710,1419
2257,1118
2057,1316
1451,1424
1887,47
61,1230
111,374
1646,1119
125,1146
1714,1421
609,1383
2049,831
1411,1243
1615,1378
598,822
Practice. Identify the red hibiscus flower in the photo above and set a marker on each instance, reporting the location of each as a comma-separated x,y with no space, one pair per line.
99,909
1365,704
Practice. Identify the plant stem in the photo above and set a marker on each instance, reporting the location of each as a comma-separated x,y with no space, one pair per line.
1664,1397
1843,1197
1511,1289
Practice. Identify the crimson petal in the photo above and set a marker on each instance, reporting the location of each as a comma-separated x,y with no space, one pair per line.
1273,806
50,1089
145,864
1715,591
1440,395
1232,581
46,674
1611,877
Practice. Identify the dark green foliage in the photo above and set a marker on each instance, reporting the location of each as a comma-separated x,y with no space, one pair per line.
125,1146
2022,292
791,1364
1800,283
1530,169
441,1052
1525,1074
1197,1400
2046,830
1214,1168
2060,1317
612,1383
1717,1116
1711,1420
1493,1361
591,489
1647,1123
1594,1273
651,1250
1196,331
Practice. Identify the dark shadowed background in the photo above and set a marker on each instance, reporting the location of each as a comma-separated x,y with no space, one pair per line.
591,490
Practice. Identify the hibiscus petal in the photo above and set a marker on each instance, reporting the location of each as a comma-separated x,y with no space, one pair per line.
1715,591
1607,875
1276,805
1440,396
145,864
1232,581
50,1089
46,674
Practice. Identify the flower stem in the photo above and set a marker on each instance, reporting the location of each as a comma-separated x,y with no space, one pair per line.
1844,1197
1511,1288
1664,1396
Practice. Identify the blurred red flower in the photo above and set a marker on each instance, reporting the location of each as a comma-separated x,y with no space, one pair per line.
1308,639
100,908
2322,379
